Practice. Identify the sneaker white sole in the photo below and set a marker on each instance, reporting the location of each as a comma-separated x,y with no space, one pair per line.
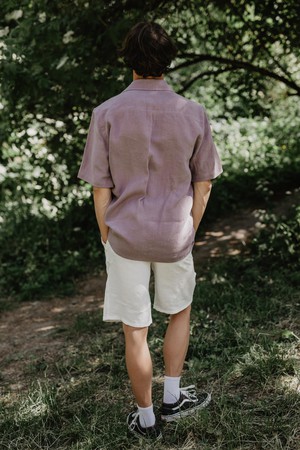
187,412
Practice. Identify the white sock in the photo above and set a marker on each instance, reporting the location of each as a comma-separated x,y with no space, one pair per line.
147,417
171,389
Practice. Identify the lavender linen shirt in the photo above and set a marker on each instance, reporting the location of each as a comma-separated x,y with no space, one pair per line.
148,144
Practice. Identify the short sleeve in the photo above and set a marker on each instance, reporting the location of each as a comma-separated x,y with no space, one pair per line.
95,162
205,163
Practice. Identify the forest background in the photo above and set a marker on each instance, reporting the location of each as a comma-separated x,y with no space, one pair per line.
59,60
241,60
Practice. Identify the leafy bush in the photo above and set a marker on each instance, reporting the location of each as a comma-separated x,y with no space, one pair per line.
279,241
260,157
42,256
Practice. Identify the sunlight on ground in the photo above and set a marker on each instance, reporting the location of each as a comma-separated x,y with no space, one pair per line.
58,309
229,242
292,383
49,327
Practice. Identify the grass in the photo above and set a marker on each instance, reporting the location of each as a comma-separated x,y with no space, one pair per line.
244,348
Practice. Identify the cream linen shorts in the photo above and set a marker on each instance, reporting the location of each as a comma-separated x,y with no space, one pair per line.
127,297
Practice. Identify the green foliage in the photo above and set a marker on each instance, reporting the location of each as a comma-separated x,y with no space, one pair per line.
58,60
279,241
248,51
260,156
40,257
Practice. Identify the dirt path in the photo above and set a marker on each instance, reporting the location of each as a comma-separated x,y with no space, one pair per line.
36,331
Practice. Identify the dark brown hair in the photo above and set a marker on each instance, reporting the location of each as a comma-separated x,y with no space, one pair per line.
148,49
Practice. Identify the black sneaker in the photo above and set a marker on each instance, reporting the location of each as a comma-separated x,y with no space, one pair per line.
189,402
135,427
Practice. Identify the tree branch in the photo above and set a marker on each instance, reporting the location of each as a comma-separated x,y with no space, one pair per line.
202,75
235,64
258,37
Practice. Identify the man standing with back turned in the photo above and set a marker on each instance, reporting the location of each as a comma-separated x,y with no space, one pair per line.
150,158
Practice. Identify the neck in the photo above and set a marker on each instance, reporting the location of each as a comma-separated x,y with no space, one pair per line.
138,77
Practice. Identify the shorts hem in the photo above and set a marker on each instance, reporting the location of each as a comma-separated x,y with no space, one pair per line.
176,311
126,322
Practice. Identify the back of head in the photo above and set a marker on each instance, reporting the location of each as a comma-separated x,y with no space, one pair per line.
148,49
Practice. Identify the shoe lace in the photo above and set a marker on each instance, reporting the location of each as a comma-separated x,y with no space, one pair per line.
189,392
134,420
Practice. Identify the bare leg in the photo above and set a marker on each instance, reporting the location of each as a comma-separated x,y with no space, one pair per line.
176,342
139,364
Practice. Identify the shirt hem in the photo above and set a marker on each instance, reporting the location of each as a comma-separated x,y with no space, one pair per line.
148,257
93,183
208,178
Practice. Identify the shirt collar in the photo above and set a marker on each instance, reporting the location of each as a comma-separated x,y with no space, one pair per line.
149,85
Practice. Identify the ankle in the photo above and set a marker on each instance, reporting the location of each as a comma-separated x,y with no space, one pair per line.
146,416
171,389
